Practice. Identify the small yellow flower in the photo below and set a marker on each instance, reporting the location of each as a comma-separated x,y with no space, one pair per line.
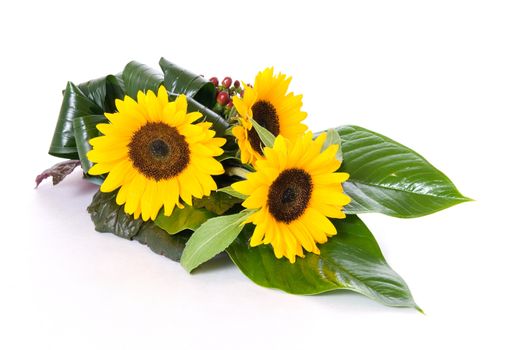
295,189
155,153
272,107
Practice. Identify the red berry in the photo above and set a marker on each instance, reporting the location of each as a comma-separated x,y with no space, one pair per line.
227,82
236,84
223,98
214,81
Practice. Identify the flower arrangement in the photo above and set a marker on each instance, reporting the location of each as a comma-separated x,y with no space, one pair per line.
193,168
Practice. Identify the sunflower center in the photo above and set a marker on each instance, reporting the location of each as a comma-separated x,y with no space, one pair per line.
290,194
159,148
265,114
159,151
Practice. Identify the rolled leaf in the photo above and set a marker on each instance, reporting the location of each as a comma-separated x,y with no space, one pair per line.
74,104
387,177
181,81
85,128
104,91
140,77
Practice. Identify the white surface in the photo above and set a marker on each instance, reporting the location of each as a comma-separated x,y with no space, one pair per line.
446,78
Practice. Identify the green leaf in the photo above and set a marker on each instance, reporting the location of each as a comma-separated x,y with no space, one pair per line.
74,104
85,128
389,178
229,190
217,202
266,137
110,217
104,91
211,238
162,243
187,218
350,260
181,81
139,77
333,138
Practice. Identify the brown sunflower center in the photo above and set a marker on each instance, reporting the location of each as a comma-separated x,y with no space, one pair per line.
290,194
158,151
265,114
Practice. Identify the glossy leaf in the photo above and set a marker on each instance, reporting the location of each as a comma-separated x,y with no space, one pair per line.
389,178
178,80
74,104
140,77
350,260
104,91
85,128
211,238
187,218
110,217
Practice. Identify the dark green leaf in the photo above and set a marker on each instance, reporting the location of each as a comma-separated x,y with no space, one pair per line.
217,202
187,218
139,77
104,91
75,104
162,243
389,178
110,217
211,238
180,81
350,260
85,128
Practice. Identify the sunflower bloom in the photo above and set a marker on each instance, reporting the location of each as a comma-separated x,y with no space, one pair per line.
272,107
154,152
294,190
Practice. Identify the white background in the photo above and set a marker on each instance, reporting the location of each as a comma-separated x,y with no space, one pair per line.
446,78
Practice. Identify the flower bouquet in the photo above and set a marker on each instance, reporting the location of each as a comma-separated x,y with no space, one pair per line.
193,168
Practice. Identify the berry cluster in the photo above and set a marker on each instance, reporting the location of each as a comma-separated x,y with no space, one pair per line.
224,93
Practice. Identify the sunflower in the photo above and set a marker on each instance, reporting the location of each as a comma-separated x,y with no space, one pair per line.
155,153
272,107
294,190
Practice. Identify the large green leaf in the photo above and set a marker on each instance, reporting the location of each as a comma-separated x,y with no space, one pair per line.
74,104
178,80
389,178
187,218
211,238
140,77
350,260
110,217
